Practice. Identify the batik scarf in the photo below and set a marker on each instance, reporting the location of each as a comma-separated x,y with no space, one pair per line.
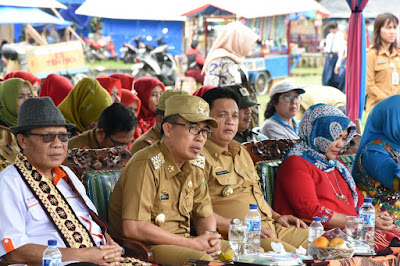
318,129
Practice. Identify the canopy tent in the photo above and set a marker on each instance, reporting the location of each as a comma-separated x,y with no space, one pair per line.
28,15
33,3
159,10
255,8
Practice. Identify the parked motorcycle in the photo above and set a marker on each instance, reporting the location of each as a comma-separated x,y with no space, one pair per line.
158,63
103,49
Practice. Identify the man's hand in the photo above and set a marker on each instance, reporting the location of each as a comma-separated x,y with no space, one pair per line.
215,244
383,221
202,242
336,70
104,255
287,220
266,233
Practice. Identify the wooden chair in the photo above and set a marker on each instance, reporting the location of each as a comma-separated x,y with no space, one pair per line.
99,170
181,76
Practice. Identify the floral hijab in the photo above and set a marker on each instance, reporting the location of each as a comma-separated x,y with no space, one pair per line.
318,129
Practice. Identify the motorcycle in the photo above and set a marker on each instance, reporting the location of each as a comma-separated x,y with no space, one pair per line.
158,63
103,49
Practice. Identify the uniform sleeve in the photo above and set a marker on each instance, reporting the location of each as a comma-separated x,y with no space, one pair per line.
138,191
202,206
13,212
297,183
372,89
380,165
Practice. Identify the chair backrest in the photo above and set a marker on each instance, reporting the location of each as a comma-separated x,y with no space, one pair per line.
181,64
99,170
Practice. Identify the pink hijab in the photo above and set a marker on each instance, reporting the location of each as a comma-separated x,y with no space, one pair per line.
234,42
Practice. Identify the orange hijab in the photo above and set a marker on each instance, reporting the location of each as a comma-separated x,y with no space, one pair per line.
109,83
56,87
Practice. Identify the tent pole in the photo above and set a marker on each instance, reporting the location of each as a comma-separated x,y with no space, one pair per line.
31,32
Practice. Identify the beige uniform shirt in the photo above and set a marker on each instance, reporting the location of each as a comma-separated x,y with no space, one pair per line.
380,67
86,140
152,184
234,169
147,139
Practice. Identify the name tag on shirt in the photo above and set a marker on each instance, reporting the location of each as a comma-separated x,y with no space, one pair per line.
164,196
395,78
222,172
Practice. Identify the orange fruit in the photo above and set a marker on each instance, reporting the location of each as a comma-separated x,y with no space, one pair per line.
321,242
337,242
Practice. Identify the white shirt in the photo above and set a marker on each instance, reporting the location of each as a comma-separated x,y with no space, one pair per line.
334,42
23,220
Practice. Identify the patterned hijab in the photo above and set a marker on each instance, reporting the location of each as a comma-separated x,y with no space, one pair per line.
10,90
234,42
85,103
318,129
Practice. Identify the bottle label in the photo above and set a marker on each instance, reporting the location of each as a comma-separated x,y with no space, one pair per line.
253,226
51,262
369,219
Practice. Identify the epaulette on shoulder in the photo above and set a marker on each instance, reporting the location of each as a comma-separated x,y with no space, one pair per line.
150,140
200,161
157,160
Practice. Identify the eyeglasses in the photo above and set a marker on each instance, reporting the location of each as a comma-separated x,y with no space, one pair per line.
194,129
50,137
289,98
117,143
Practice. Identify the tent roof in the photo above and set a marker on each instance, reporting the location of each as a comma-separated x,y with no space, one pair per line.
260,8
340,9
145,10
33,3
28,15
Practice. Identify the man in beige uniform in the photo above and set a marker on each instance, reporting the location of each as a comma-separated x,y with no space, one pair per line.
233,180
154,134
163,188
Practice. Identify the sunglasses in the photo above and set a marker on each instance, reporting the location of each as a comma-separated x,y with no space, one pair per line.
50,137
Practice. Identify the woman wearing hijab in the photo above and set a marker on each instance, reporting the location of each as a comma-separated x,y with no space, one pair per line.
312,181
228,51
113,86
56,87
84,104
377,163
149,91
35,81
203,89
130,100
126,80
13,92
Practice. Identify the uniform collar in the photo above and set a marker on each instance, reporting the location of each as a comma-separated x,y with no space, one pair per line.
170,166
157,131
283,123
216,151
382,52
59,174
93,143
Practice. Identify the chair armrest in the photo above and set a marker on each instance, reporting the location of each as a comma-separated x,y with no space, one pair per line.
223,231
134,248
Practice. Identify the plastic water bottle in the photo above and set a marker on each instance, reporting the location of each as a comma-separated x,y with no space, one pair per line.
367,213
52,255
253,223
316,229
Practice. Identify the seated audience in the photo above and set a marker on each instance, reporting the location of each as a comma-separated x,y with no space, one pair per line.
233,180
130,100
126,80
56,87
84,104
162,189
281,109
203,89
35,81
116,127
312,181
154,134
149,91
195,62
377,168
41,196
113,86
244,133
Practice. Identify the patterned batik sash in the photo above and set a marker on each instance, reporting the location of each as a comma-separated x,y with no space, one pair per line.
62,216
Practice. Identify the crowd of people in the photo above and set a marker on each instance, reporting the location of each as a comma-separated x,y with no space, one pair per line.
189,173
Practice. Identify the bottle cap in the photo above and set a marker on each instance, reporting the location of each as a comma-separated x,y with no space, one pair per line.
52,242
367,200
236,221
316,219
253,206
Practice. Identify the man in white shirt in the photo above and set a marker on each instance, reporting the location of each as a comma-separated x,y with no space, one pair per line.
335,44
42,200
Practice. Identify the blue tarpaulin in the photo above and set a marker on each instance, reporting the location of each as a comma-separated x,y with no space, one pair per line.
28,15
122,30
